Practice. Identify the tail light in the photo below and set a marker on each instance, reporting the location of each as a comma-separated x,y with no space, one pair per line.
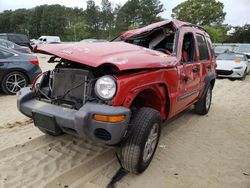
35,62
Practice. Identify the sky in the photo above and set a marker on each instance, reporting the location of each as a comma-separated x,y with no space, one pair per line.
238,11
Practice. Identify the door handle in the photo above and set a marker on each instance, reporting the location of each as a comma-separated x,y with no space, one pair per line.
196,69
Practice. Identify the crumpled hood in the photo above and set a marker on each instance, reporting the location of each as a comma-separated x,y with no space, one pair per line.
228,64
123,55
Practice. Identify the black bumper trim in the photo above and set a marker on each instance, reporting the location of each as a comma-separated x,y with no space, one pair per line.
80,121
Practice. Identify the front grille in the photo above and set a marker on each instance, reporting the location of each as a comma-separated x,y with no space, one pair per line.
224,72
102,134
69,85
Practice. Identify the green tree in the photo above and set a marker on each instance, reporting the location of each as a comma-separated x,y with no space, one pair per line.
107,19
201,12
92,16
240,35
128,15
217,33
149,11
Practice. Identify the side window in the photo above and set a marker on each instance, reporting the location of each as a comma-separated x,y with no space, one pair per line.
5,55
188,48
204,55
211,48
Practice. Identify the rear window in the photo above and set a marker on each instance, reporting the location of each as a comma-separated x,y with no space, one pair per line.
6,44
18,38
204,55
231,57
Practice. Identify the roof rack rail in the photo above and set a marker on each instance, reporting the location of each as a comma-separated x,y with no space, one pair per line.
195,26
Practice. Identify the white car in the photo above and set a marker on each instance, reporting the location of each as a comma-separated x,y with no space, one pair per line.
232,65
48,39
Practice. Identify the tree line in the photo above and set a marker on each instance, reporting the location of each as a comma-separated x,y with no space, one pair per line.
107,21
73,24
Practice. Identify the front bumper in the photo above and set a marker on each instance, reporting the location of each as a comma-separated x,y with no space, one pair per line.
75,122
234,73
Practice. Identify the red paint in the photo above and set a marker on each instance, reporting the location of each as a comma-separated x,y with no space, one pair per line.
162,82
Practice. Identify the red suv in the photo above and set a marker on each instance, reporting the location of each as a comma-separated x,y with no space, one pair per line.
118,93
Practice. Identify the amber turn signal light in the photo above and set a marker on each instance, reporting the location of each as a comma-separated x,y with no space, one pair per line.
109,119
237,60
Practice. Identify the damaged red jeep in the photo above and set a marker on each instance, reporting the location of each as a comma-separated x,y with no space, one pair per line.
119,92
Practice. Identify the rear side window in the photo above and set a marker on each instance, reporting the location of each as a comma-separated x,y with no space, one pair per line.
211,47
204,55
5,55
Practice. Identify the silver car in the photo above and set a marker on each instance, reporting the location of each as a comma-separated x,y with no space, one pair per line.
232,65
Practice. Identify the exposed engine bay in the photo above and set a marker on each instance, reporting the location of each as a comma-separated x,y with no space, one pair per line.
69,84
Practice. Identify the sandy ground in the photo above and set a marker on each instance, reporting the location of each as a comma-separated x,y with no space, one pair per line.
194,151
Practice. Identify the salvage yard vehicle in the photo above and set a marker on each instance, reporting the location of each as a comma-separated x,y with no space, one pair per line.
232,65
17,70
118,93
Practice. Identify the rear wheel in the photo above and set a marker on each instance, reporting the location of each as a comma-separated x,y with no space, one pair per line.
13,82
203,105
138,150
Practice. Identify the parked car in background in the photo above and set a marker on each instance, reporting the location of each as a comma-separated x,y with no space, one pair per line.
17,70
232,65
14,46
118,93
19,39
48,40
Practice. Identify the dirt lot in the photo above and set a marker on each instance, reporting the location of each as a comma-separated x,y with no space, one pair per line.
194,151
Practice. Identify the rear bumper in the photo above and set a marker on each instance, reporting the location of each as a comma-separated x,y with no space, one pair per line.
76,122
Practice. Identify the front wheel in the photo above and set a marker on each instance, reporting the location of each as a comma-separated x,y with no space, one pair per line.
203,105
138,150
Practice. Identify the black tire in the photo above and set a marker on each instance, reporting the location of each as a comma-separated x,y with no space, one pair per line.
59,133
203,105
6,85
131,153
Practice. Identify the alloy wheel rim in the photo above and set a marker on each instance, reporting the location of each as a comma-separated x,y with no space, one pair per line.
15,82
208,99
151,143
